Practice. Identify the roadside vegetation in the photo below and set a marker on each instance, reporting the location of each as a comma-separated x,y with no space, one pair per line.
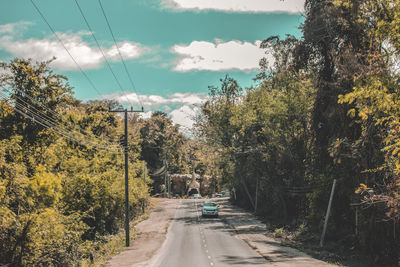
61,195
62,168
327,109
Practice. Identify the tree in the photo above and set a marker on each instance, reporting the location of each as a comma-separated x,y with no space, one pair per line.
60,194
162,139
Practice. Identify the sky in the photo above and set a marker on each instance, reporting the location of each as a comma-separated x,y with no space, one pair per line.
172,49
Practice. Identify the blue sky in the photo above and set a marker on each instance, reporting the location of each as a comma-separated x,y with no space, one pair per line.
173,49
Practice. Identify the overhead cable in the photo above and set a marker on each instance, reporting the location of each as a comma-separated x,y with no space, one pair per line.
101,50
30,112
119,52
66,49
53,119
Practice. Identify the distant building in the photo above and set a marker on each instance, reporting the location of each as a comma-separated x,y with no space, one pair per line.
189,184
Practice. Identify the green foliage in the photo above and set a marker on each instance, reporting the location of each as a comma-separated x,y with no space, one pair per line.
163,140
263,134
59,198
328,109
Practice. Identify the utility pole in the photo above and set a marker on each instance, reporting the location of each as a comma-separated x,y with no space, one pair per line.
165,173
169,184
166,178
125,111
144,172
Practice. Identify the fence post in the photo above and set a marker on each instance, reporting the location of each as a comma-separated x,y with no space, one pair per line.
321,242
356,220
256,201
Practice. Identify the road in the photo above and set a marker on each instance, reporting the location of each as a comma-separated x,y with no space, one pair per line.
196,241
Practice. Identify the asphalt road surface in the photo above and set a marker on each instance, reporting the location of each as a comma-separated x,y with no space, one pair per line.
196,241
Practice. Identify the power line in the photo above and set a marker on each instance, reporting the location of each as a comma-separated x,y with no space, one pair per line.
119,52
55,114
24,112
38,119
101,50
36,116
63,45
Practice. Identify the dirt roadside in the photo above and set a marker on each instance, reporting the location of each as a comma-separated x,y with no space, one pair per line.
150,235
252,231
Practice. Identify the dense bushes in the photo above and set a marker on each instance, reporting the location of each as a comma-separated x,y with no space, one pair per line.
328,109
59,196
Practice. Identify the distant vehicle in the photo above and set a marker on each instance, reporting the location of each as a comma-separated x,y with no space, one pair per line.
209,209
225,193
196,196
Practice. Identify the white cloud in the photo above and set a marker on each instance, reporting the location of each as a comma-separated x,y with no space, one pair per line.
157,100
186,98
128,50
220,56
87,56
181,107
5,72
256,6
14,28
146,115
184,116
394,57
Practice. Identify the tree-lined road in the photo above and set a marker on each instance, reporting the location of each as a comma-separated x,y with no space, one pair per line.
196,241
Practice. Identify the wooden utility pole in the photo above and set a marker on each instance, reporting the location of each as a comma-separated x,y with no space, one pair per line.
125,111
321,242
144,172
167,182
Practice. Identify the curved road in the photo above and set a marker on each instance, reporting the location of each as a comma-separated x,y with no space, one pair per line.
198,242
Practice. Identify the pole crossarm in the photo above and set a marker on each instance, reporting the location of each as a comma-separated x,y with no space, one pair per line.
127,110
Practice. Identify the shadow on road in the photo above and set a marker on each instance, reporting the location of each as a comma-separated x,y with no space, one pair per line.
236,260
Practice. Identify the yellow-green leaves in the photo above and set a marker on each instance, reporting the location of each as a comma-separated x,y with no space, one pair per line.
361,189
371,98
45,187
55,193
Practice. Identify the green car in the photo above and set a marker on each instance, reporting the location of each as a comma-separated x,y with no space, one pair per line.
209,209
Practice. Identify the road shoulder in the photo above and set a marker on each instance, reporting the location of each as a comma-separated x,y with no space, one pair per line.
252,231
150,235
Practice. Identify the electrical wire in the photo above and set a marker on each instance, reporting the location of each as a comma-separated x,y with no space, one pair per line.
83,131
37,117
63,45
55,114
24,111
119,52
101,50
70,135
